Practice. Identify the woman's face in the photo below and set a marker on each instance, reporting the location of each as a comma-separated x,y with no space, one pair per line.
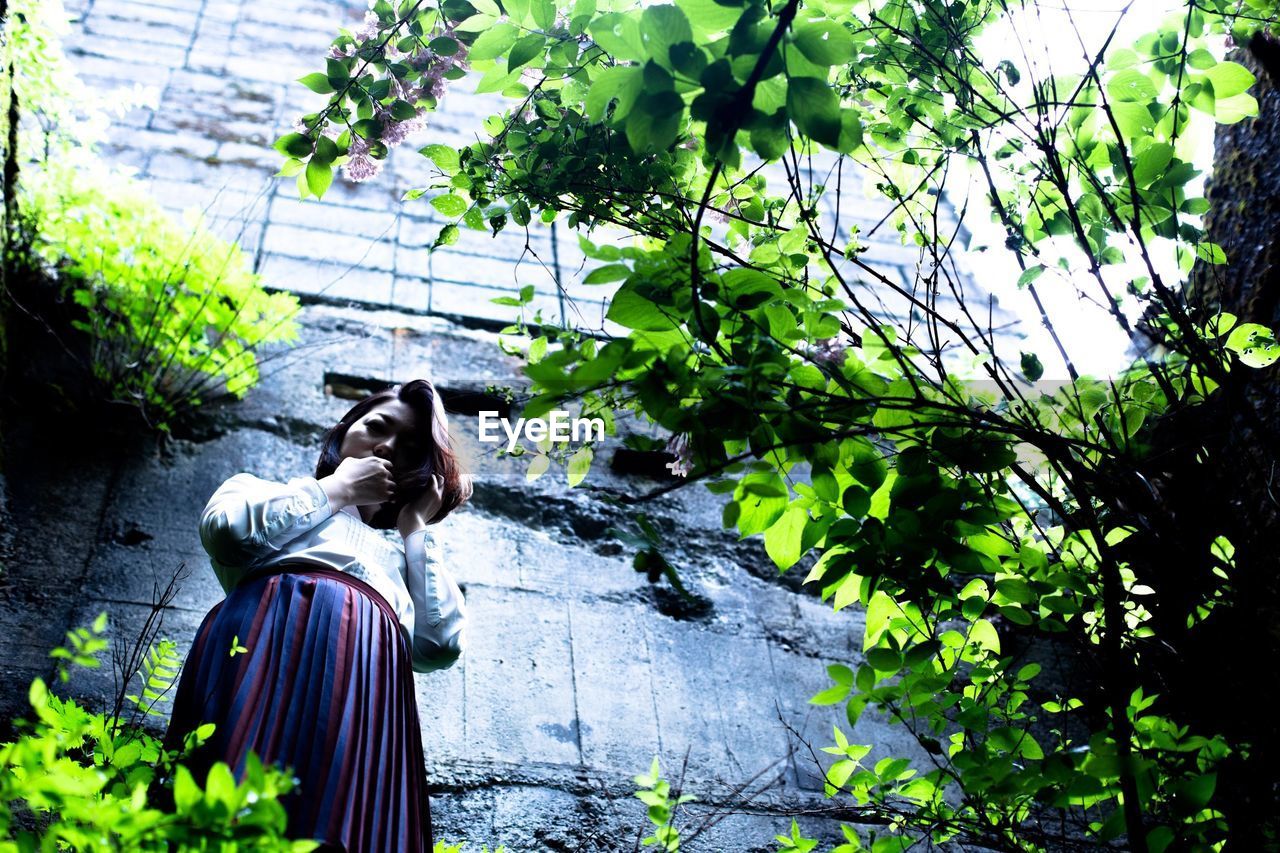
388,430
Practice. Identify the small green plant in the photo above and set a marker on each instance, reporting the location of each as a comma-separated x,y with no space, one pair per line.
174,314
81,780
655,792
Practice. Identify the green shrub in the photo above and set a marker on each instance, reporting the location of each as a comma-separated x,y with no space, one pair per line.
85,780
173,313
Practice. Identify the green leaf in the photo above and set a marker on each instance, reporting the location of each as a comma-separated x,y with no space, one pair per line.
537,348
815,109
319,176
623,82
843,678
782,541
661,27
1229,78
186,793
607,273
884,660
317,83
221,785
544,13
655,121
1122,58
619,35
1151,163
1211,253
708,16
748,288
447,237
326,152
1254,344
824,42
1234,109
337,73
763,500
1030,274
1194,794
1031,366
538,466
444,156
475,24
631,310
850,132
1016,590
294,145
1201,59
291,168
496,79
402,110
525,49
449,205
1132,86
1133,119
983,634
494,42
579,465
443,46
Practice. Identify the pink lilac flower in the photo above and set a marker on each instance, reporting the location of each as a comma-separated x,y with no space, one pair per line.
829,351
371,27
300,126
360,166
404,90
433,82
422,59
396,132
345,52
460,58
678,446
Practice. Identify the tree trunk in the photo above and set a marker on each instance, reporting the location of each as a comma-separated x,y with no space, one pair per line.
1219,672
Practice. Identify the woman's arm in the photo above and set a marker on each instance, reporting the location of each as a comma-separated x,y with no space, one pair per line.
249,518
439,609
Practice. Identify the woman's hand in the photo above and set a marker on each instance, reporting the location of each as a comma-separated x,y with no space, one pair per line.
359,482
416,515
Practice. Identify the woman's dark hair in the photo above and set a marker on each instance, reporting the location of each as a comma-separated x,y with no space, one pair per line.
436,455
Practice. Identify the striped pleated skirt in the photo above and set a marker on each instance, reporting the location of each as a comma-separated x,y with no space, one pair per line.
323,687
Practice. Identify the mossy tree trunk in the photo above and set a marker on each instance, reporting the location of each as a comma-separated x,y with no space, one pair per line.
1221,673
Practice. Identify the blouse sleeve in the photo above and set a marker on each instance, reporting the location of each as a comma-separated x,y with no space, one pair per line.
439,609
249,518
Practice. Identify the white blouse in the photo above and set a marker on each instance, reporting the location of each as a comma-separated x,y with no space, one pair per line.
251,523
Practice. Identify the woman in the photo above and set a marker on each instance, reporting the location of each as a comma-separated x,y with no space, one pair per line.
308,661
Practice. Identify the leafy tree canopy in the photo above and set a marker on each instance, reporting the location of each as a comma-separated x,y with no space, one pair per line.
911,463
